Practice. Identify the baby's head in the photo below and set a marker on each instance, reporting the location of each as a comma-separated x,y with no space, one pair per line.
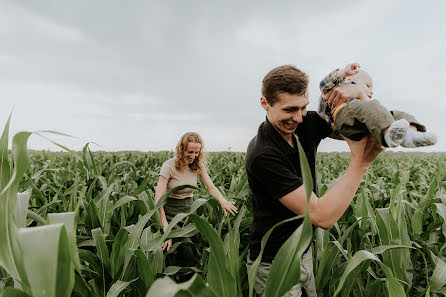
365,80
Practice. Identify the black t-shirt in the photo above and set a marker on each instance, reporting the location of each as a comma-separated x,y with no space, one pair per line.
273,171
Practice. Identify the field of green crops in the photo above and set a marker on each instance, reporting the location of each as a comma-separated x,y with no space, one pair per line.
85,224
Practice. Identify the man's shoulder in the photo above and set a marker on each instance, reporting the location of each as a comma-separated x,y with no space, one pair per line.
312,116
259,153
314,126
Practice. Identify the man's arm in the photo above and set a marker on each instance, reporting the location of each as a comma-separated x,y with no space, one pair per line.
326,210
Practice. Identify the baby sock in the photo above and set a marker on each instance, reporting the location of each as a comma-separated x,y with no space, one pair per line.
396,133
417,139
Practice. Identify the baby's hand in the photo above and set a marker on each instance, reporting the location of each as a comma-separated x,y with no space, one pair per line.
351,69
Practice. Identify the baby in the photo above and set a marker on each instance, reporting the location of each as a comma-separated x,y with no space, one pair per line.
360,116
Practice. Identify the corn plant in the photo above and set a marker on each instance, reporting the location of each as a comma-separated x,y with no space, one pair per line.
85,224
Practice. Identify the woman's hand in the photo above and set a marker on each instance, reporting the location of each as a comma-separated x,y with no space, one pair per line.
167,245
228,206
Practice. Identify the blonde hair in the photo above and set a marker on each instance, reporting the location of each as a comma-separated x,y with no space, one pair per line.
180,163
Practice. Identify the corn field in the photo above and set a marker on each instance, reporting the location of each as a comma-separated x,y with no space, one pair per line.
85,224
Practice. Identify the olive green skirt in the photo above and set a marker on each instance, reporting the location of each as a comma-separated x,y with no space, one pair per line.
174,206
184,256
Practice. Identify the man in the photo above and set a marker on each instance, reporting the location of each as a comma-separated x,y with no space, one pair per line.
274,174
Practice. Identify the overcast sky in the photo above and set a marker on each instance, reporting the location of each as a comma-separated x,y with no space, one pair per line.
136,75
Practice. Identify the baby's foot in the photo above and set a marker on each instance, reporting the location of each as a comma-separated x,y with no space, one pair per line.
417,139
396,133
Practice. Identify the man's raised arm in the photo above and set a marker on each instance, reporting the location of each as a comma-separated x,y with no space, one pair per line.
326,210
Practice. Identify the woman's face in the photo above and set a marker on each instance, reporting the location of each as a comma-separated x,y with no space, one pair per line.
192,152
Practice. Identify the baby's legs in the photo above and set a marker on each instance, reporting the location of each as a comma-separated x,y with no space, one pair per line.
416,138
358,118
398,115
396,133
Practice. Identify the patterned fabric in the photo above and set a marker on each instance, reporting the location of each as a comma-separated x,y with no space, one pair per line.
329,82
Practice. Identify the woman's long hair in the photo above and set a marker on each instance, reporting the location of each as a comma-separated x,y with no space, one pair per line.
180,163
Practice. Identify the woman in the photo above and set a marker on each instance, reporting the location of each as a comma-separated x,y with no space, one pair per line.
183,170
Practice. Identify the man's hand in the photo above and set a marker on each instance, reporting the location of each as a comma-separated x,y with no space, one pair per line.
341,94
365,151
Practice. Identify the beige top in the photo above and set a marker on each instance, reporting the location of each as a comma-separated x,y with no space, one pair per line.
176,178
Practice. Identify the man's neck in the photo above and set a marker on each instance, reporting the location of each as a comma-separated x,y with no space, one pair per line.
290,140
288,137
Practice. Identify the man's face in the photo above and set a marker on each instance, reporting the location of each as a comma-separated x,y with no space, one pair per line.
287,112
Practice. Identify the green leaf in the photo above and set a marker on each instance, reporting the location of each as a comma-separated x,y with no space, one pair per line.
382,248
176,219
12,292
5,173
117,288
136,230
417,219
68,219
171,270
441,210
145,270
166,287
163,199
11,258
438,279
47,247
254,267
394,288
117,255
220,279
104,204
36,217
329,257
285,269
92,220
101,247
122,201
306,172
21,209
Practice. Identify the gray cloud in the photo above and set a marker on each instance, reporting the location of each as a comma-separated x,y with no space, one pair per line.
111,71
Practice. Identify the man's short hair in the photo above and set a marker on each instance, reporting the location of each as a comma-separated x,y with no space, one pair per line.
283,79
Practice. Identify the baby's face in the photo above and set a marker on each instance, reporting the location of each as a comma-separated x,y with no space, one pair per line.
365,80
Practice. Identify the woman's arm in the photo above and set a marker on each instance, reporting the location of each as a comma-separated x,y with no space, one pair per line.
160,190
225,204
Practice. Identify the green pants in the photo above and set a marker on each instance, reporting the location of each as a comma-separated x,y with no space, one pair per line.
358,118
306,281
184,256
